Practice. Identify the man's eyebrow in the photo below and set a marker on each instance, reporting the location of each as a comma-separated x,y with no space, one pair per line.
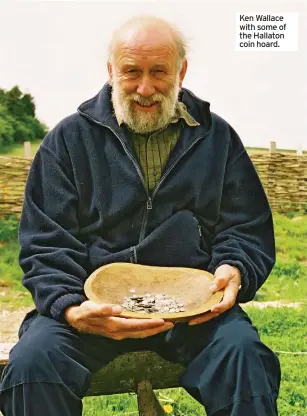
160,65
127,65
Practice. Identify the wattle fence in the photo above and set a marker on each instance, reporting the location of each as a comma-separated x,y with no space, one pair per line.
283,175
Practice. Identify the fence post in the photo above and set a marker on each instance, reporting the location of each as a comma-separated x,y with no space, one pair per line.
271,175
27,150
272,147
299,150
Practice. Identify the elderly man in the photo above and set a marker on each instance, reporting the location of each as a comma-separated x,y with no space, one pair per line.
142,173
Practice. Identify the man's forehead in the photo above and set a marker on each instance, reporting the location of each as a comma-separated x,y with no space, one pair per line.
146,42
133,53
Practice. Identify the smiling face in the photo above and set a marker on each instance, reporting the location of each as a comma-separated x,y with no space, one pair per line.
145,78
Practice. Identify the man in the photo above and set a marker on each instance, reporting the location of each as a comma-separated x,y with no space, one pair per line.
143,173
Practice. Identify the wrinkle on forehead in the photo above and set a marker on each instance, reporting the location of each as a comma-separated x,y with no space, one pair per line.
146,42
144,52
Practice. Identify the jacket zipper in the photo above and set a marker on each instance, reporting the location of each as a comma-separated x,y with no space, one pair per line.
145,218
198,225
149,201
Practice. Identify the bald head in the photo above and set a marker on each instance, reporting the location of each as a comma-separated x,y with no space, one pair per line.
146,68
148,30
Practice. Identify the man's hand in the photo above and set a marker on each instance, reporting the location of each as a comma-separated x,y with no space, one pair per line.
97,319
228,278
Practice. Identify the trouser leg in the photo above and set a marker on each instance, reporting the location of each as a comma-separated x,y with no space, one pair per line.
228,369
261,405
45,399
50,369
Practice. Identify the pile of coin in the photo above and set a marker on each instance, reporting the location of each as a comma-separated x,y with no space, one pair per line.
153,303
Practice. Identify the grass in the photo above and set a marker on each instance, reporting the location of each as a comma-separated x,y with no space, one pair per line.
17,149
288,280
282,329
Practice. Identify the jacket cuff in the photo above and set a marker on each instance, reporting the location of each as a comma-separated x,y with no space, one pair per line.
61,304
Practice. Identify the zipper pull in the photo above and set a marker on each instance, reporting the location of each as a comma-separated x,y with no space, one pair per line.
198,225
149,203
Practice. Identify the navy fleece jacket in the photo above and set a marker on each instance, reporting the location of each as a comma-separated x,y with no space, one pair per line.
86,205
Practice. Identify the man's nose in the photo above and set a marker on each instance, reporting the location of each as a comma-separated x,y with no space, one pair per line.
145,87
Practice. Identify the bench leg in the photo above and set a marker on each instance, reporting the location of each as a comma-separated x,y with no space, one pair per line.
148,403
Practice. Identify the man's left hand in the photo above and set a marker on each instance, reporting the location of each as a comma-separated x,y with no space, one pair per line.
228,278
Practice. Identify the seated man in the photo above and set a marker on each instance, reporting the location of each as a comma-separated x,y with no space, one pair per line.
142,173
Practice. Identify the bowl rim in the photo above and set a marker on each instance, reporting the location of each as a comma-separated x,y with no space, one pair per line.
214,299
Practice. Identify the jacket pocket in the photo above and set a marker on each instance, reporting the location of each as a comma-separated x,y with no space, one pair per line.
175,242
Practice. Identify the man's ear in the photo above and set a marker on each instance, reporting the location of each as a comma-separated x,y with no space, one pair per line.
183,71
110,71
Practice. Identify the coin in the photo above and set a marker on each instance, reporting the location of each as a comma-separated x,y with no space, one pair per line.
153,303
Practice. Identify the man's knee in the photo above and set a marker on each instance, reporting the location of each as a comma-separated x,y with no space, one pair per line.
46,357
240,337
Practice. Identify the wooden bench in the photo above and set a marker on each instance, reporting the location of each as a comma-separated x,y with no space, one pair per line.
138,372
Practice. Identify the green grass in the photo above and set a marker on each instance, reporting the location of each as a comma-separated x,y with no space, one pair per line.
282,329
288,280
12,291
17,149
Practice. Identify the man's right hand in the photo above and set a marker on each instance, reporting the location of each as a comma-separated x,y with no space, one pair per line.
93,318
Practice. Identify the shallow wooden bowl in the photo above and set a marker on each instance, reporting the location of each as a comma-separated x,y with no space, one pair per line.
111,283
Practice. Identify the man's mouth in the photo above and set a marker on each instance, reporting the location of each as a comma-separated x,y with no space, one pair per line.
146,107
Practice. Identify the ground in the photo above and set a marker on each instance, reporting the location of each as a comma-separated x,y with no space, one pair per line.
9,323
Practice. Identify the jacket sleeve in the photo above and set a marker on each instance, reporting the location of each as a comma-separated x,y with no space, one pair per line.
244,234
52,257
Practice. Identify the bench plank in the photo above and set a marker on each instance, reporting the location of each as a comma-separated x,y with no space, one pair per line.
125,372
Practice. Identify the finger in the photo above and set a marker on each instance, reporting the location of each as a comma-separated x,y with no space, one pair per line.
203,318
130,324
144,334
229,299
105,309
118,335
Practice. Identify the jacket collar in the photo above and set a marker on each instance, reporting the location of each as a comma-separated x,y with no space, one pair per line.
100,108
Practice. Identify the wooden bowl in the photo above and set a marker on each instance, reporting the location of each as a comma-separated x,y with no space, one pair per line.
111,283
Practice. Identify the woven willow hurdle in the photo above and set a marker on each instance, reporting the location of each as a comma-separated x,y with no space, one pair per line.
13,176
283,175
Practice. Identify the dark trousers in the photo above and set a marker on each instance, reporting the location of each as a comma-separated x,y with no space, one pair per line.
228,369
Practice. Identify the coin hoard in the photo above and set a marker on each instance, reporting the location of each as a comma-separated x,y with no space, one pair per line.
153,303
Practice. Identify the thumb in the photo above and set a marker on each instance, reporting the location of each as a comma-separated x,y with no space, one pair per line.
110,309
222,275
106,309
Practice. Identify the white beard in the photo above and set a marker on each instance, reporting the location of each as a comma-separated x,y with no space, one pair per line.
140,121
